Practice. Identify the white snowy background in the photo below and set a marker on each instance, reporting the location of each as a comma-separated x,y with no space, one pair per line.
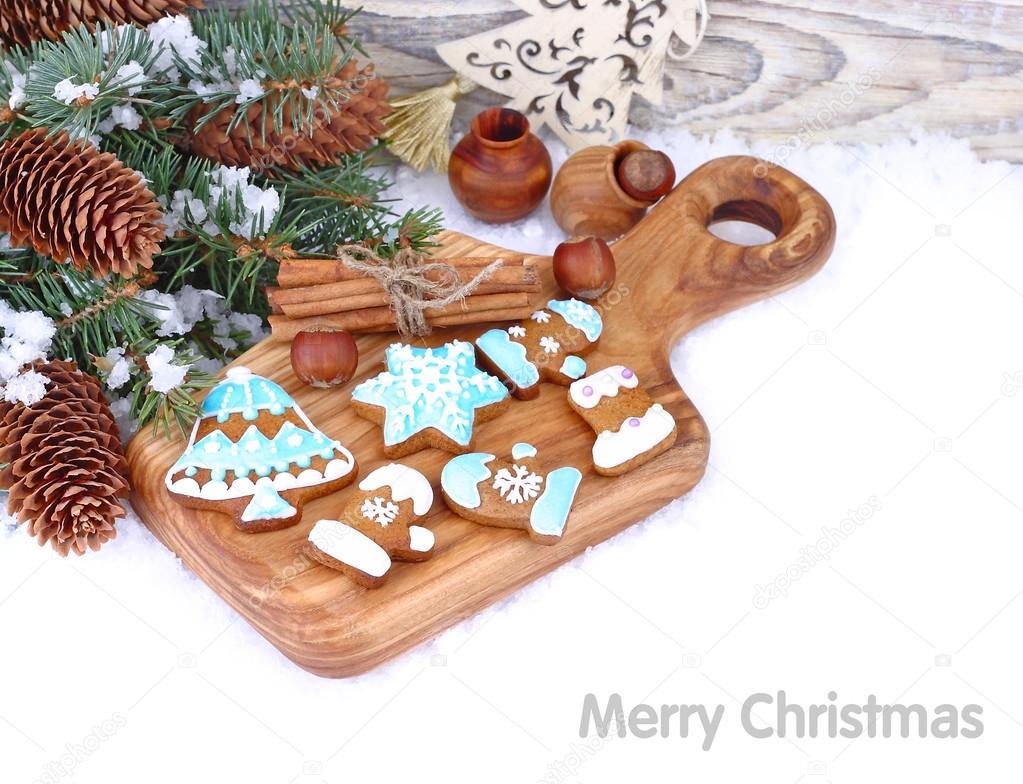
893,378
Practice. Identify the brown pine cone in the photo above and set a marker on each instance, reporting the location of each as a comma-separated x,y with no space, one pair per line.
257,142
73,203
65,468
25,21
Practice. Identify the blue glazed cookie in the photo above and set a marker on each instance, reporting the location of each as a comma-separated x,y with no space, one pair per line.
430,397
515,493
545,347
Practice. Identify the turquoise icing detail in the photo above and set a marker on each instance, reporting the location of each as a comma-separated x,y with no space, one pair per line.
550,512
423,388
509,356
460,477
574,367
579,315
522,450
246,394
254,452
267,504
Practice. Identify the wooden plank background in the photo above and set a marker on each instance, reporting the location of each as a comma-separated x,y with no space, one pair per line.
789,71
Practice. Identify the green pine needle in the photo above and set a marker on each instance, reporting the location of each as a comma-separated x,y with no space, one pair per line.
292,55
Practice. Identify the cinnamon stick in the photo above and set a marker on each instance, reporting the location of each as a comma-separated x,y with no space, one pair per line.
271,295
502,279
474,309
380,298
309,272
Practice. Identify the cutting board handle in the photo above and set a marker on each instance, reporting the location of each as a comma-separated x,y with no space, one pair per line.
691,275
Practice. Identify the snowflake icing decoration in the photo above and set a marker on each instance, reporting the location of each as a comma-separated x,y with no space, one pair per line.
517,331
425,388
379,511
549,345
541,316
518,487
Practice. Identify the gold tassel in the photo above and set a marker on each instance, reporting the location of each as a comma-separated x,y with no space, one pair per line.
420,125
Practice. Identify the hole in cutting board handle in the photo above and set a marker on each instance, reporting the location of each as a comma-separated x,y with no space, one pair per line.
745,222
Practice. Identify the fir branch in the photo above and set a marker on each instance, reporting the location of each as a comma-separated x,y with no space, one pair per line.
174,411
251,58
13,77
107,67
227,228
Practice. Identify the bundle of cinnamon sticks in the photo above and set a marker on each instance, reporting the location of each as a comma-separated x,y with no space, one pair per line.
319,293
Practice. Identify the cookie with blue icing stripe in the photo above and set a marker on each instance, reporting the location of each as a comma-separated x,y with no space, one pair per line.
511,493
255,456
548,346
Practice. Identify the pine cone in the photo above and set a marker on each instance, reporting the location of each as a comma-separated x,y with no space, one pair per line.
65,466
72,203
25,21
257,142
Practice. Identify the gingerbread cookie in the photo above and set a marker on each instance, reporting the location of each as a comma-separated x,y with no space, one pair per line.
544,347
376,526
254,455
631,429
511,494
430,397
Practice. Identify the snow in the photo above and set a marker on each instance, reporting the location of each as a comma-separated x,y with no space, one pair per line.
261,204
178,313
124,115
174,34
118,368
28,388
68,92
131,76
17,97
165,374
26,338
248,90
864,472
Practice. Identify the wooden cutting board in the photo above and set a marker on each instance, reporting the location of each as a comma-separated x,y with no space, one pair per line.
672,276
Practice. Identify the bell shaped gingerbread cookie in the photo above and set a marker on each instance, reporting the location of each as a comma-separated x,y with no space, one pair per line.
631,428
255,456
376,526
430,397
545,347
516,493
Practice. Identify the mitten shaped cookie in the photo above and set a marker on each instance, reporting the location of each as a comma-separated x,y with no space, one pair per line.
631,429
544,347
376,526
430,397
254,455
511,494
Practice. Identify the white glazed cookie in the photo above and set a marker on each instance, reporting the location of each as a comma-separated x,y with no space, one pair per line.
376,526
631,429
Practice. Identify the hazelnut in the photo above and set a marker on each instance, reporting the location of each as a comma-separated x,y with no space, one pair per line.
584,267
324,358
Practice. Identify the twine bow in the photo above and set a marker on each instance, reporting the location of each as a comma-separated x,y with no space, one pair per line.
405,279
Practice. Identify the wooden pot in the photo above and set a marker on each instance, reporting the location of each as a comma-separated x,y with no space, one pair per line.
587,199
499,171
